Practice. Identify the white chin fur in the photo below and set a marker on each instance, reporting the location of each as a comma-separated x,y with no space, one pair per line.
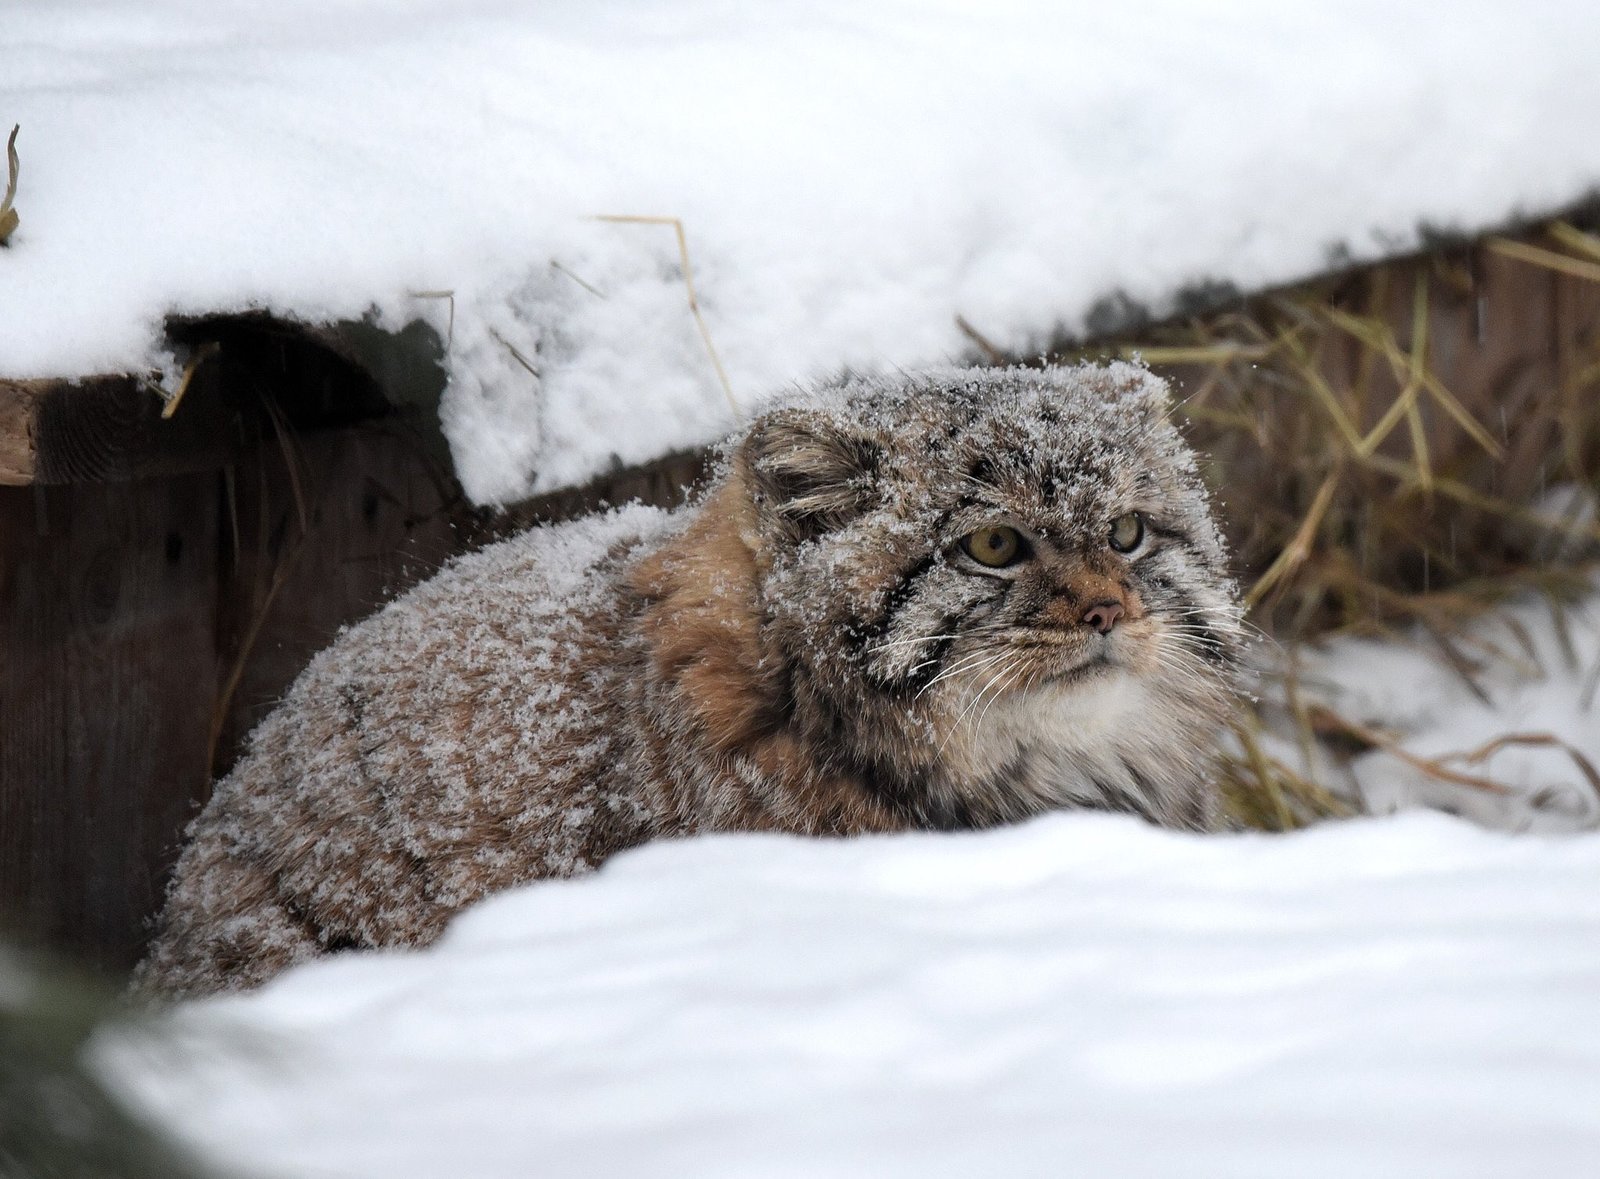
1076,716
1064,722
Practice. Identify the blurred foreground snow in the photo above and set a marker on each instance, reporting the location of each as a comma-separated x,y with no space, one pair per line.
1084,995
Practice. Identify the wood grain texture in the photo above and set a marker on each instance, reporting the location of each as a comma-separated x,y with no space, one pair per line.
107,670
140,631
141,638
19,417
664,483
109,429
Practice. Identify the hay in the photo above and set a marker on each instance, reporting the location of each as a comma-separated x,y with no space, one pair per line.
688,286
1386,445
8,215
1345,521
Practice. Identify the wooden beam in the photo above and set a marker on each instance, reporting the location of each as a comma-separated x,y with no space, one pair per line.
108,430
108,669
19,415
251,375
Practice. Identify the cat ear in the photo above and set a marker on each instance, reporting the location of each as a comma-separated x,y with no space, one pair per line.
810,473
1151,395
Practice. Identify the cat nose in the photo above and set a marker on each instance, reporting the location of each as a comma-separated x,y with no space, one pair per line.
1103,615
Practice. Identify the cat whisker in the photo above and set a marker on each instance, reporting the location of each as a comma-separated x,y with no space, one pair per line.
1223,620
973,662
1214,621
955,726
983,666
967,663
996,682
1000,691
972,703
1192,639
873,650
1198,642
1185,669
996,678
1215,629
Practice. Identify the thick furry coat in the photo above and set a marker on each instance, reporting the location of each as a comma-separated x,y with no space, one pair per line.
947,600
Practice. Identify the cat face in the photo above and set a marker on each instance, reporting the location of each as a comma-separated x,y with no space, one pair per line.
1000,591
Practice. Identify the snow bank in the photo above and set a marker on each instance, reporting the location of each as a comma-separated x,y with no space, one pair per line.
1405,995
1084,995
851,178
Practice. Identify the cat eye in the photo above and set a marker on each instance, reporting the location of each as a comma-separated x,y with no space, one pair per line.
995,547
1127,530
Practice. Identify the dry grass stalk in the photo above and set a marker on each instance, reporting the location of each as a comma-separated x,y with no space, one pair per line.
1342,517
991,353
1325,720
1555,261
1298,549
1439,767
1489,749
568,272
8,215
516,353
688,284
201,354
450,324
1262,792
1383,442
282,567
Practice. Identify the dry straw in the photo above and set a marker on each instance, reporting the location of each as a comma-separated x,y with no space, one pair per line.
8,215
688,285
1387,445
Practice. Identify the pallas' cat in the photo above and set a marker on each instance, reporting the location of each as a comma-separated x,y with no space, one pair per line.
943,600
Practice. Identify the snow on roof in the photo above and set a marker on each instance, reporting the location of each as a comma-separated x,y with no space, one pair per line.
851,177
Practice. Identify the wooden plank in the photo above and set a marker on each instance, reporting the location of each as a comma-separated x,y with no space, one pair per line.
109,429
107,674
1514,371
144,625
663,483
144,630
1578,355
19,416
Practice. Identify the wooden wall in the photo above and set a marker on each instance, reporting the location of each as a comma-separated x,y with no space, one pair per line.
108,610
158,590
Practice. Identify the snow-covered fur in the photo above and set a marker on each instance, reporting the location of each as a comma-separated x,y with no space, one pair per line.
820,644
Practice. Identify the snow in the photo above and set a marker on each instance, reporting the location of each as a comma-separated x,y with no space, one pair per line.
1535,680
1081,995
850,178
1393,995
